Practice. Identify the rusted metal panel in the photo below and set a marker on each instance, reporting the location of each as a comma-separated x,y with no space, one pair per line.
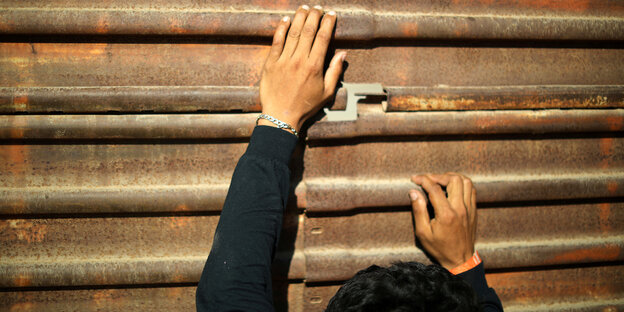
245,99
127,189
336,247
112,64
175,298
363,23
287,297
519,97
514,169
373,122
567,289
84,178
129,99
154,99
136,126
122,251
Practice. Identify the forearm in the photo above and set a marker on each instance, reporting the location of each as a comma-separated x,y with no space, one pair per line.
237,274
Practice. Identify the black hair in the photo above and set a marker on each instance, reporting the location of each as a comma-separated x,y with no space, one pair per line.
404,286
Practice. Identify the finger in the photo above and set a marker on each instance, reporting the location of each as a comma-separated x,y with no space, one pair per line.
472,213
309,32
333,74
278,39
455,191
295,31
421,215
323,37
467,192
436,195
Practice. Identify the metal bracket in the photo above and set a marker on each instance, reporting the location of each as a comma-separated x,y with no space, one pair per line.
355,92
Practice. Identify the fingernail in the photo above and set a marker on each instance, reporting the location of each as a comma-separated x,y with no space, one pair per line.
413,195
318,7
305,7
332,13
285,19
343,56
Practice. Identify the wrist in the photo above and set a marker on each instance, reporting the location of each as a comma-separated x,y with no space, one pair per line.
268,120
287,117
472,262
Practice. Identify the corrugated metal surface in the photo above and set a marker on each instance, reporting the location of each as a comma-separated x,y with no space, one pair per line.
121,123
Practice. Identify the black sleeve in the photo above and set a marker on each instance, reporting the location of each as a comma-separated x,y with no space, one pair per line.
237,274
488,299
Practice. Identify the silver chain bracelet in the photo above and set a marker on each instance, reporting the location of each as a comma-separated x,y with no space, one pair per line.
280,124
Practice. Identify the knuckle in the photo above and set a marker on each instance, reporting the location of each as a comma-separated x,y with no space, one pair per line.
461,212
420,233
323,37
455,179
309,31
313,68
293,34
277,42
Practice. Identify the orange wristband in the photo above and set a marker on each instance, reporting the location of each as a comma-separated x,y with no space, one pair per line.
471,263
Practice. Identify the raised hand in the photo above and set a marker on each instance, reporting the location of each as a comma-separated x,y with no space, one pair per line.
293,88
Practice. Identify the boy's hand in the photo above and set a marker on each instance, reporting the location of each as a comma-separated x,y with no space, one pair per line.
450,236
292,87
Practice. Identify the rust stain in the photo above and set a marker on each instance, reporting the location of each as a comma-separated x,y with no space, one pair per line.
176,27
175,292
28,231
571,6
181,207
603,253
102,25
276,4
15,155
606,149
409,29
4,27
461,28
615,123
22,280
22,306
179,223
20,103
612,186
604,216
102,297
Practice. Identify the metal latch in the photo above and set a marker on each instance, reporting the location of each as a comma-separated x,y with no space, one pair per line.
355,92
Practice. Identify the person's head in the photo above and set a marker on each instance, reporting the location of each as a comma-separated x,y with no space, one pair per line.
404,286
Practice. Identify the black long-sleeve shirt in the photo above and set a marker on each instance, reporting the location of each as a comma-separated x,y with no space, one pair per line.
237,274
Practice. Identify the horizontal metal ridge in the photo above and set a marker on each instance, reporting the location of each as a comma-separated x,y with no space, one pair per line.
115,271
325,264
372,121
180,99
356,24
135,99
321,264
336,194
503,97
553,289
112,199
213,64
314,194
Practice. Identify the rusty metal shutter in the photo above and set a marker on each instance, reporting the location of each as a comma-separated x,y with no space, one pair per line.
121,123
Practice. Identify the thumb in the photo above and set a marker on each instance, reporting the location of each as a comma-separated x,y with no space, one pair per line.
420,214
333,73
